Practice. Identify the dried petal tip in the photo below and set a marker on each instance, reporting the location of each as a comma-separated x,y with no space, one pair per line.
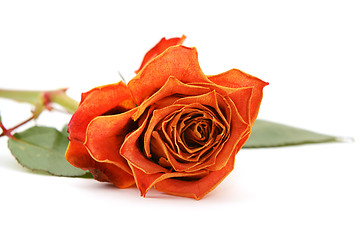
159,48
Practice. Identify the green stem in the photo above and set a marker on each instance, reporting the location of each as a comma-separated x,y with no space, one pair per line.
42,99
61,98
31,97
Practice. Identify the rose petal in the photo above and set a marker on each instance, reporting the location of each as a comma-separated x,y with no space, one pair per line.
130,150
175,164
146,181
168,127
78,156
178,61
237,126
157,116
208,99
237,131
106,134
159,48
235,78
182,146
96,102
242,100
163,150
108,172
199,188
171,128
240,96
213,99
164,162
172,86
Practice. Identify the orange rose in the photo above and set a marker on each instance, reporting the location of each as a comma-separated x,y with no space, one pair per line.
171,127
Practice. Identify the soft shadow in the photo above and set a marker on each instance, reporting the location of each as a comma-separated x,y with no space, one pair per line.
226,192
9,163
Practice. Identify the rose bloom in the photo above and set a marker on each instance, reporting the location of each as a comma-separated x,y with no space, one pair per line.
171,127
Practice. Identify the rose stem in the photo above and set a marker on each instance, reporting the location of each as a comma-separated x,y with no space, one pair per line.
43,98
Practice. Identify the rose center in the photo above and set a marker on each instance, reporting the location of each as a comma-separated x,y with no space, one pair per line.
189,135
196,133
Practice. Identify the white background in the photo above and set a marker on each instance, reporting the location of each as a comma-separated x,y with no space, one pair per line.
307,50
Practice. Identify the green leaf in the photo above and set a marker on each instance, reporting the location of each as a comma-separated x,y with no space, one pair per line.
43,148
270,134
64,130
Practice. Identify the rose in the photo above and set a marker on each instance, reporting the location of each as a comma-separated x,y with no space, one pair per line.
172,127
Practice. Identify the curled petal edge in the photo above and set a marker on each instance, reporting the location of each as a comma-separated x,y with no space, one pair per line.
159,48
